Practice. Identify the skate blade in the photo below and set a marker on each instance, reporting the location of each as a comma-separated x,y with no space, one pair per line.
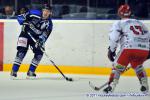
13,77
145,92
31,77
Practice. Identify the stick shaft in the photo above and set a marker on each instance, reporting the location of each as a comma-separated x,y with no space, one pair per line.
54,65
48,57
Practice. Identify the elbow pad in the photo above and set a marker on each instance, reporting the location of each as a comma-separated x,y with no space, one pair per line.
21,19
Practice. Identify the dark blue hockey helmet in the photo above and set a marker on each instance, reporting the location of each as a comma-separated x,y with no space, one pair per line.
46,6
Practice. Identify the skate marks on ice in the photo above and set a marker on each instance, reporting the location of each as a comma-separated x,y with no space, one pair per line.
23,76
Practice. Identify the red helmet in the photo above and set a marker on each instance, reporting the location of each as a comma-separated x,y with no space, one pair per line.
124,11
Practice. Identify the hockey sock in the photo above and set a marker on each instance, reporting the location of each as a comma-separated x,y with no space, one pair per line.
114,75
35,61
32,68
140,72
15,67
18,60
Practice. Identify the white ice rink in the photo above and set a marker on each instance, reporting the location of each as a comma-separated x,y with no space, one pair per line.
53,87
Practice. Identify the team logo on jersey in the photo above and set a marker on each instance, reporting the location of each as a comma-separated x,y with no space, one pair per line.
44,25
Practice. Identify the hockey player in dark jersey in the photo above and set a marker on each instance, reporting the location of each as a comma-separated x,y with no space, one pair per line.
38,24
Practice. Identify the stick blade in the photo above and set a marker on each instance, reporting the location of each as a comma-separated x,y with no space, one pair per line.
93,87
97,88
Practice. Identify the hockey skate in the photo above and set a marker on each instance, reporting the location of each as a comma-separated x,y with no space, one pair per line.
31,75
13,75
110,88
144,85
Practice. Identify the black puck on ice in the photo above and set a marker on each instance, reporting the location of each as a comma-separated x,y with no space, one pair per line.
69,79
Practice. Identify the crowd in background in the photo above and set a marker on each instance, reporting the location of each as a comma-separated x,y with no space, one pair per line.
7,12
84,9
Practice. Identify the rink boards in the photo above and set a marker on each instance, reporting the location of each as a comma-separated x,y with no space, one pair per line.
76,46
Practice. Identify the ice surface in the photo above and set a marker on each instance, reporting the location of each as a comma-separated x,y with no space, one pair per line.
54,87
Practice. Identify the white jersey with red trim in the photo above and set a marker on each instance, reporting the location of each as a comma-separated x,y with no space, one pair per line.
129,34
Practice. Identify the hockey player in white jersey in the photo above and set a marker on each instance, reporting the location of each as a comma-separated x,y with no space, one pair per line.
132,37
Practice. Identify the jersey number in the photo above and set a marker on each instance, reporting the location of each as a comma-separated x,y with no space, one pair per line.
136,30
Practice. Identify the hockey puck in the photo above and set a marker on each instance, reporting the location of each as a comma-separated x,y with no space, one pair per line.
69,79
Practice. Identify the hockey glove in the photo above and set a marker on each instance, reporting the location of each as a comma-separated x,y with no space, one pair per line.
111,55
148,55
40,43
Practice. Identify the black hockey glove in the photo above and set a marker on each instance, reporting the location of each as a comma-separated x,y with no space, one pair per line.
111,55
40,43
148,55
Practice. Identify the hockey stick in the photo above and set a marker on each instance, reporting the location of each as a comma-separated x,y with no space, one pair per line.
68,79
106,83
